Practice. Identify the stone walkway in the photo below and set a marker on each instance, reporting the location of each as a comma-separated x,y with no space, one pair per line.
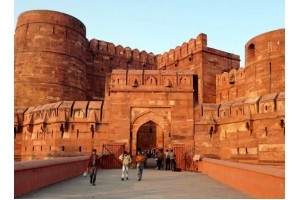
156,184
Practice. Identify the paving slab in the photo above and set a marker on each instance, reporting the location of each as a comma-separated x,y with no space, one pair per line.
155,184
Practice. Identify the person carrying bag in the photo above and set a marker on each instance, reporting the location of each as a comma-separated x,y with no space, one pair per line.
93,165
126,160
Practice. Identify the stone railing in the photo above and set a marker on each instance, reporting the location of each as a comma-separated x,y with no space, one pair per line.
257,181
32,175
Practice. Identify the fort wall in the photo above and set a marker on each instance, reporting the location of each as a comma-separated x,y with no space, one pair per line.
64,128
204,61
250,130
265,63
164,97
264,72
50,50
103,57
215,62
230,85
67,62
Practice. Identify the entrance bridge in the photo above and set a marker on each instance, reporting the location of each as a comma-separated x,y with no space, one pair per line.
62,178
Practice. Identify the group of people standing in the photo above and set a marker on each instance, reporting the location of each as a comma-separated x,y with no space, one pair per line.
169,158
125,158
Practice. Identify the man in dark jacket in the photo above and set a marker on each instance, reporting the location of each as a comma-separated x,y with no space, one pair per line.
93,164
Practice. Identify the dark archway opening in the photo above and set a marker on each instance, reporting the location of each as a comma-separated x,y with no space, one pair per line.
195,87
250,53
149,138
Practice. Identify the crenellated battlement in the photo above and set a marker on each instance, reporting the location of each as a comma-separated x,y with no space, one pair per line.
230,85
185,53
204,61
186,50
103,57
233,77
112,51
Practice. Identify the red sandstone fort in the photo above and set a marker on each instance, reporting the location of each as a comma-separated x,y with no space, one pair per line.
73,95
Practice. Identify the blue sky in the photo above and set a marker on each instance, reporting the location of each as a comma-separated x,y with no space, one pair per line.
160,25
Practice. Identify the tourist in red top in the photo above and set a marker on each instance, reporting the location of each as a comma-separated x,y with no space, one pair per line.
93,165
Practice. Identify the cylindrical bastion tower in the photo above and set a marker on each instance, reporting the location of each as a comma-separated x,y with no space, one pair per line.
265,64
50,58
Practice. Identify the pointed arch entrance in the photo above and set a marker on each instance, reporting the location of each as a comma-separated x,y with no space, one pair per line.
147,136
150,120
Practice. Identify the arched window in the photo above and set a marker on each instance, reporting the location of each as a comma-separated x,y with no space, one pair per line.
251,52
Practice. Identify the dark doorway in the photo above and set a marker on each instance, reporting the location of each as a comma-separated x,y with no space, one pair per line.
146,136
149,137
195,87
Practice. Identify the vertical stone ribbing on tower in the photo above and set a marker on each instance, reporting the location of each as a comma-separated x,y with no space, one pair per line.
265,64
50,58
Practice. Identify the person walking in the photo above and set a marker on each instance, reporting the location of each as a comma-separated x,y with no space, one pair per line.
93,165
144,153
172,160
126,160
160,158
140,159
167,156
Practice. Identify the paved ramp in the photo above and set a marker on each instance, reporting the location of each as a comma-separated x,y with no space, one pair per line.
156,184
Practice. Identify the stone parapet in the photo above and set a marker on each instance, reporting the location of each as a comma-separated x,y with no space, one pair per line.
262,182
33,175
